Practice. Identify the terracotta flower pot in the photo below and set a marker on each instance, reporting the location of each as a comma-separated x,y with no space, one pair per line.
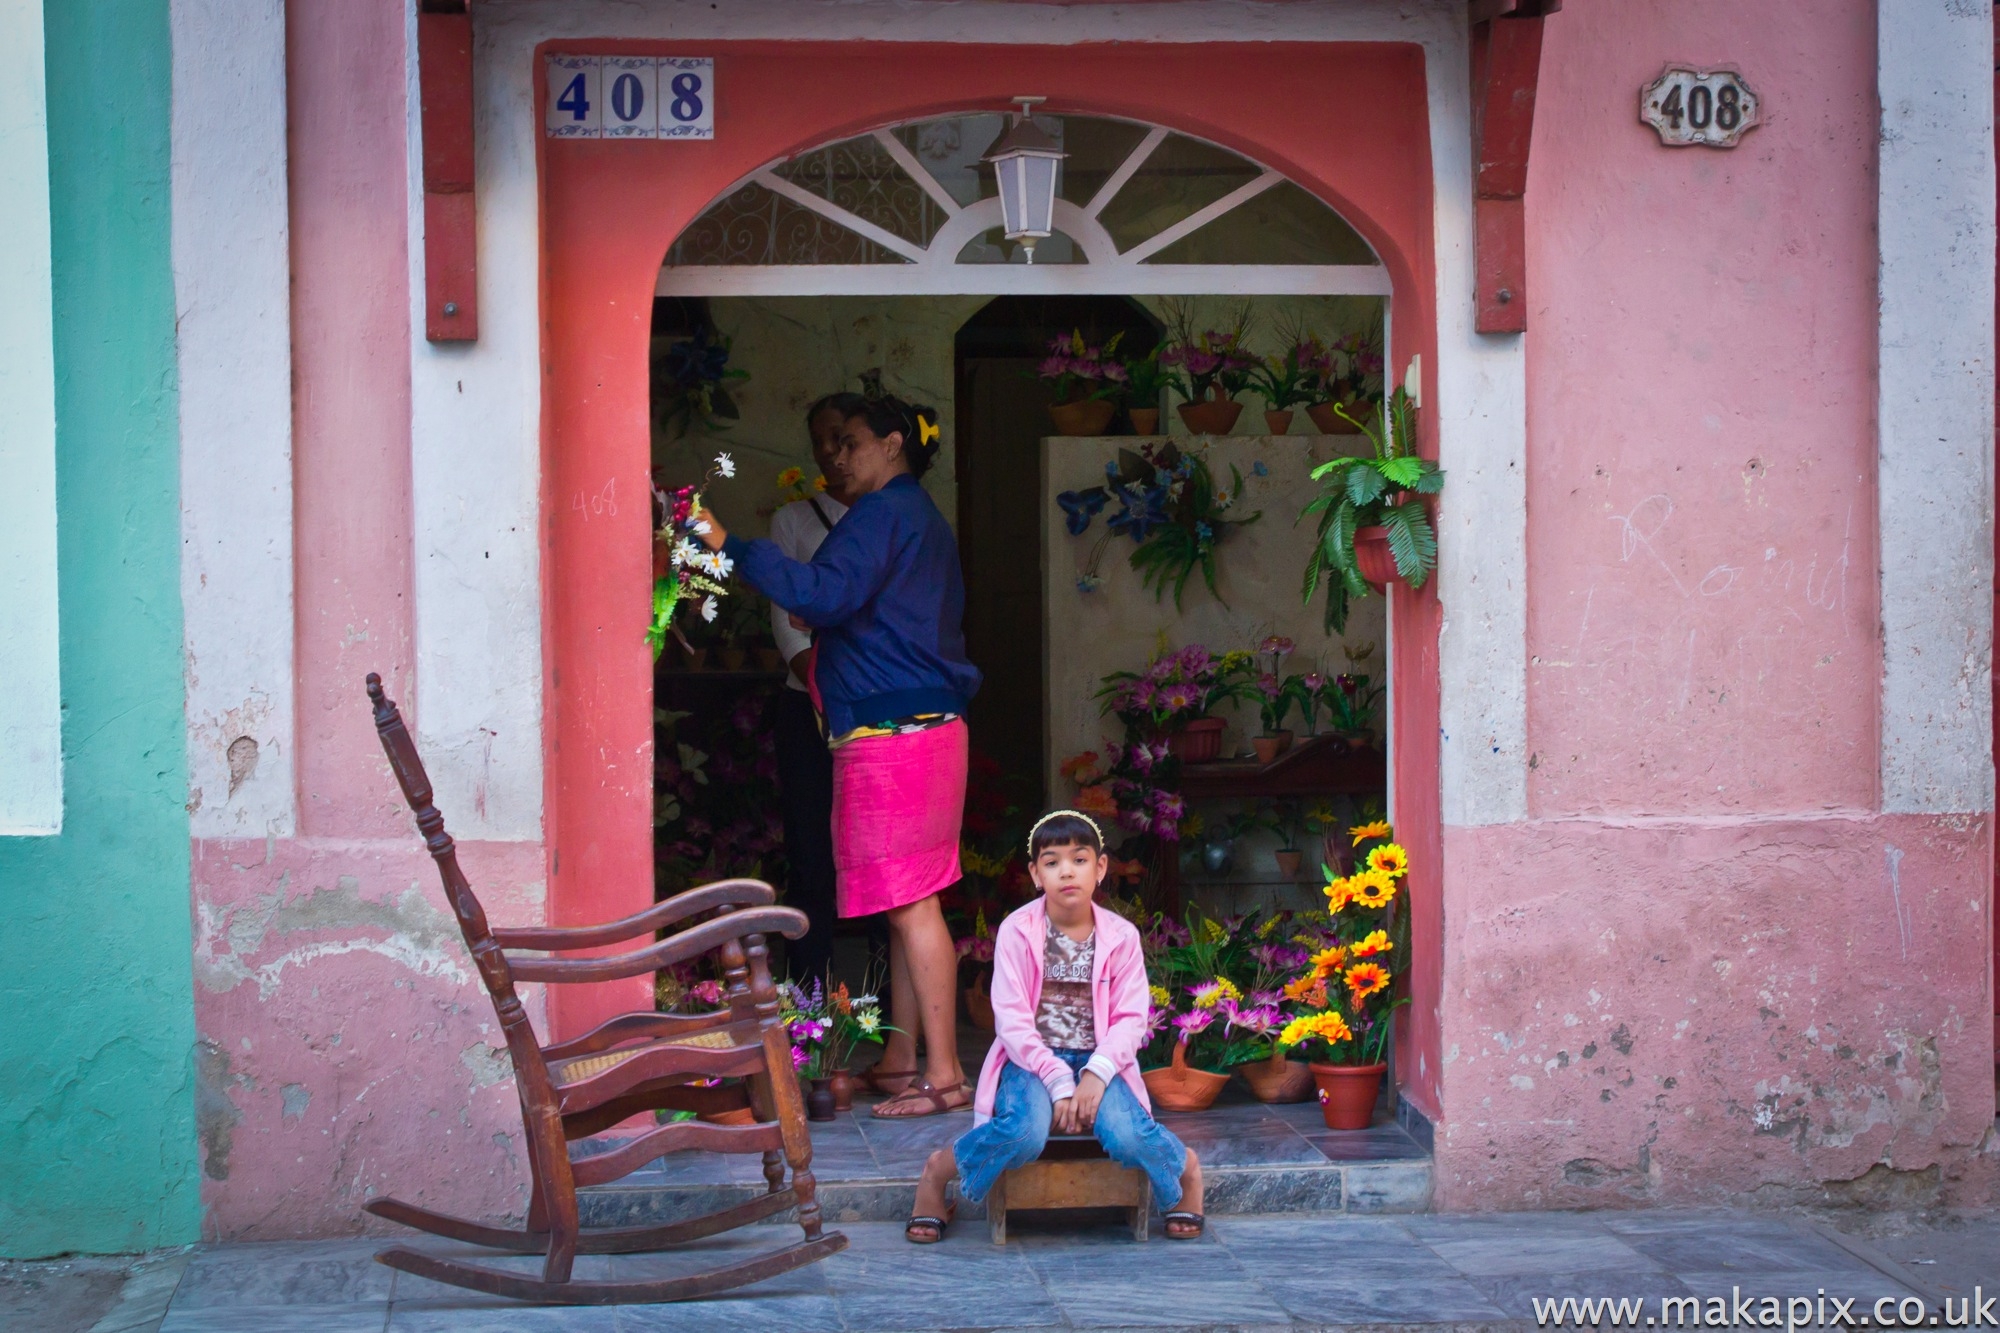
1214,416
1289,862
770,659
842,1084
1278,1079
1197,742
1278,423
1347,1093
1328,422
819,1099
1145,420
1372,558
1358,740
1085,418
1271,745
979,1005
1182,1087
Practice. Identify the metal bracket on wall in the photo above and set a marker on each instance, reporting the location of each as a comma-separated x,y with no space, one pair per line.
1506,62
451,230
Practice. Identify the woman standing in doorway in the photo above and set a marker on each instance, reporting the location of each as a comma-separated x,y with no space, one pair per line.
887,601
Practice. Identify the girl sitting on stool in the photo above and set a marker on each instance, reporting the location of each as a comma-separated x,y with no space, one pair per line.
1069,1014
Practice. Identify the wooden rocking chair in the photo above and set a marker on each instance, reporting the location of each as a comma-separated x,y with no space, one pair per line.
630,1065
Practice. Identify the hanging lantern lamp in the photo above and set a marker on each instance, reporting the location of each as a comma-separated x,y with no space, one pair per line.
1025,161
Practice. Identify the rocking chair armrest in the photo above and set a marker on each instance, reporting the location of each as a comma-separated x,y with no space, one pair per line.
726,893
689,944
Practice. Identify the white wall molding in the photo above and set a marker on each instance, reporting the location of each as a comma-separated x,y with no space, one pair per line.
30,651
1935,223
232,292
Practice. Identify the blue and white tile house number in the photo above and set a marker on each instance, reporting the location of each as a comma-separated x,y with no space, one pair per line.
631,97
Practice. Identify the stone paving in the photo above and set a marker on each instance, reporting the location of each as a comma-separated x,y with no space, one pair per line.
1295,1271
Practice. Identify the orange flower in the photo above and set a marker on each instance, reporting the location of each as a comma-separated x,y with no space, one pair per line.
1390,859
840,1002
1076,763
1328,961
1297,990
1129,871
1339,892
1376,941
1364,979
1374,828
1096,802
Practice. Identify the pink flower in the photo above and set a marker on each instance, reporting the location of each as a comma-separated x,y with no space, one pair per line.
1276,644
1193,1023
708,992
1315,682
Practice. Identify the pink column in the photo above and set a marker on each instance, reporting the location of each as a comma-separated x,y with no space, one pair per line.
351,403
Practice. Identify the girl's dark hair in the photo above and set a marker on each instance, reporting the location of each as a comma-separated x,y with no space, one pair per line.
847,404
1064,828
917,423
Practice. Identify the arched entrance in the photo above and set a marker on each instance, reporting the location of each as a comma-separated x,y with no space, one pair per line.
1346,125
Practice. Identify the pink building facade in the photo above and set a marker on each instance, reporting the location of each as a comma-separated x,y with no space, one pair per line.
1692,733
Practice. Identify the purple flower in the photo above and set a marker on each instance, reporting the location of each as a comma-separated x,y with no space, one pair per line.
1193,1023
1267,685
1167,804
1315,682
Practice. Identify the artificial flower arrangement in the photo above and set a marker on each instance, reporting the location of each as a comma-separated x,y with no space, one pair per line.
1372,522
1341,1004
1292,378
827,1025
1146,380
684,569
1208,368
792,485
1081,372
1352,377
1351,697
690,383
1171,508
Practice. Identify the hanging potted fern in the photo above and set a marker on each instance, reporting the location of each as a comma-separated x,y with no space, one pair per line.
1373,526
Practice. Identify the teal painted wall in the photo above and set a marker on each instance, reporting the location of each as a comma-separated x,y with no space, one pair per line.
97,1105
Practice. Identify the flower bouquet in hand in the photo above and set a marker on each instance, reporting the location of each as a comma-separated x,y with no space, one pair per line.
683,569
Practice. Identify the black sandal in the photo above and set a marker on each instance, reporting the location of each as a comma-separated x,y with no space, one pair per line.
1195,1220
936,1226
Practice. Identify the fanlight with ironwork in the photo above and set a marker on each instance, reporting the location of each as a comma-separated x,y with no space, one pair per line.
911,211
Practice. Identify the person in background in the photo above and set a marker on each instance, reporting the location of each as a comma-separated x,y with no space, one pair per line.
805,765
885,594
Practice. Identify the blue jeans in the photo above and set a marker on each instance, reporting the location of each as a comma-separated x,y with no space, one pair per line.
1019,1129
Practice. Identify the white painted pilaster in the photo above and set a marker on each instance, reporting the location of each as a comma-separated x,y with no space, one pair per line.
476,476
1480,402
1935,221
232,292
30,662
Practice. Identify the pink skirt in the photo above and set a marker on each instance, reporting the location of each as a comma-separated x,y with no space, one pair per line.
897,805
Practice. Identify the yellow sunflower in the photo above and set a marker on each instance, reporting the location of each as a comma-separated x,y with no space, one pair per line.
1364,979
1374,828
1339,892
1390,859
791,477
819,483
1376,941
1372,888
1329,1027
1328,961
1308,989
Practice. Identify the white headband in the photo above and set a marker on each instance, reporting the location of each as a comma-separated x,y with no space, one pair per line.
1054,814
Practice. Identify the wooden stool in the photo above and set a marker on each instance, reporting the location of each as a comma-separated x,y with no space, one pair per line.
1072,1172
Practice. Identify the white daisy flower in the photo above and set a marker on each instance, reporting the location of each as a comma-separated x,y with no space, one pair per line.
700,527
868,1023
708,609
686,553
725,465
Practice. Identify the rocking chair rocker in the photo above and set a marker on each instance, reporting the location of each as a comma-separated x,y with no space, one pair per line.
630,1065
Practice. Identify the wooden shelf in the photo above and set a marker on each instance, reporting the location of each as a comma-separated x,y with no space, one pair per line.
1317,766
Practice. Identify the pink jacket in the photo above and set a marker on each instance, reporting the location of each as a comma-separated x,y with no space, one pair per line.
1119,1001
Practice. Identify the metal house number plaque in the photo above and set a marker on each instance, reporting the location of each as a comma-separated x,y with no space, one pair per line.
1711,107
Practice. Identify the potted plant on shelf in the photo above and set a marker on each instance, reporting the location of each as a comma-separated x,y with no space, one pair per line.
1145,381
1270,1074
1350,385
1275,696
1175,697
1210,368
1351,698
1290,379
1343,1000
1373,526
1287,820
1086,377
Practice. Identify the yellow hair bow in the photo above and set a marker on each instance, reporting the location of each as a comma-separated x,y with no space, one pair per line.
926,431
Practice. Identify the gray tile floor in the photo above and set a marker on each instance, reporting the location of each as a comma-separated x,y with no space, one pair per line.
1271,1272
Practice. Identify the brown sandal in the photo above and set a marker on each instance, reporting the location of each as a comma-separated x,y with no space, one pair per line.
922,1091
877,1078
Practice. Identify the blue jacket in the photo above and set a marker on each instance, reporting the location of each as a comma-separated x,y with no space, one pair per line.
886,596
